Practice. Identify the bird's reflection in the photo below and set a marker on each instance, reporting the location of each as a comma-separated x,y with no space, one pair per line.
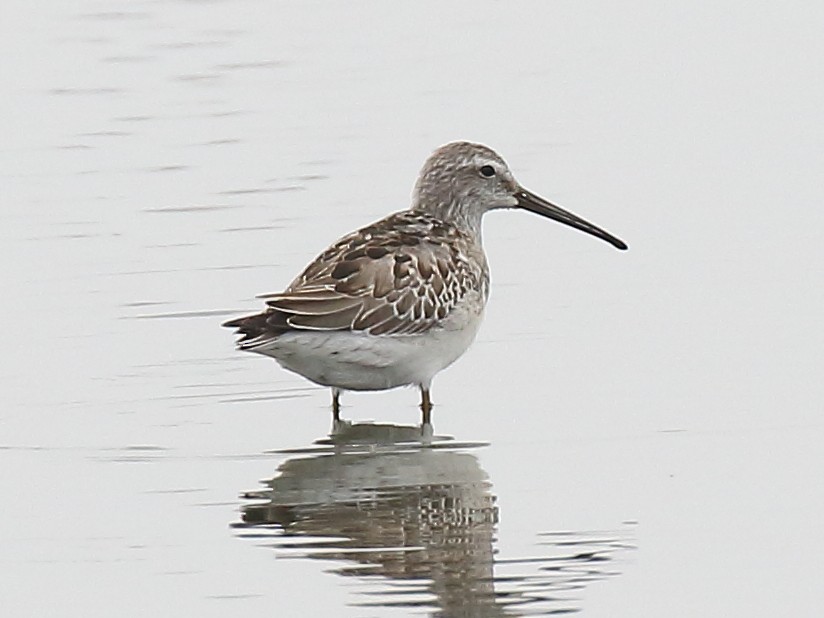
403,504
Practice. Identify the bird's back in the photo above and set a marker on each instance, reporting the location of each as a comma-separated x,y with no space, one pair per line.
402,275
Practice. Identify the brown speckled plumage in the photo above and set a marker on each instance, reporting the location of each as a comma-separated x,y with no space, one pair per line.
398,276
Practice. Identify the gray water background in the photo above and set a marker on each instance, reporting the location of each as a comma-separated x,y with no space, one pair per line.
165,161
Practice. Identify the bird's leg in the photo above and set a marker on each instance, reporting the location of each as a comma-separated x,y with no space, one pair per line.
426,406
335,405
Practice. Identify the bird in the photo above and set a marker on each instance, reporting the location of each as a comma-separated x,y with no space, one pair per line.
398,301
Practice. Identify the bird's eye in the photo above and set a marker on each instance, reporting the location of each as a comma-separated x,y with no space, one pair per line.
487,171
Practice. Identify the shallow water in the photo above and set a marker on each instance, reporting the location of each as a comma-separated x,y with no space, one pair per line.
418,516
632,433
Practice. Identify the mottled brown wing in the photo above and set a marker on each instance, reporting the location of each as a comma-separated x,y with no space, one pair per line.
399,276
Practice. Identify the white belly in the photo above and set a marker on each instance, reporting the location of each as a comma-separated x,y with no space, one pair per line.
361,362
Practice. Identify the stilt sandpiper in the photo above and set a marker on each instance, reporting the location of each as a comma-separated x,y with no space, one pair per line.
396,302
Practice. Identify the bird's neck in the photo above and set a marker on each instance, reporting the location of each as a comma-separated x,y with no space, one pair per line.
465,219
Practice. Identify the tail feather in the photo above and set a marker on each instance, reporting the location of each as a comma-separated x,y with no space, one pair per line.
266,325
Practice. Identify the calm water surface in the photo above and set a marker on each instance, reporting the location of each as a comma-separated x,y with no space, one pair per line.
633,434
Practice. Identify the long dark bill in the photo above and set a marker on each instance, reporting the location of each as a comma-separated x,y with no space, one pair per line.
529,201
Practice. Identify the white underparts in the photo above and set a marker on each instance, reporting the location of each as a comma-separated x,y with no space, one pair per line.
351,360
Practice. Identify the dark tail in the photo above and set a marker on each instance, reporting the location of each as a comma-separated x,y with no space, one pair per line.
267,324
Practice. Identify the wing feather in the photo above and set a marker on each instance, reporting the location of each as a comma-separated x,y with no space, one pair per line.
312,305
399,276
339,320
